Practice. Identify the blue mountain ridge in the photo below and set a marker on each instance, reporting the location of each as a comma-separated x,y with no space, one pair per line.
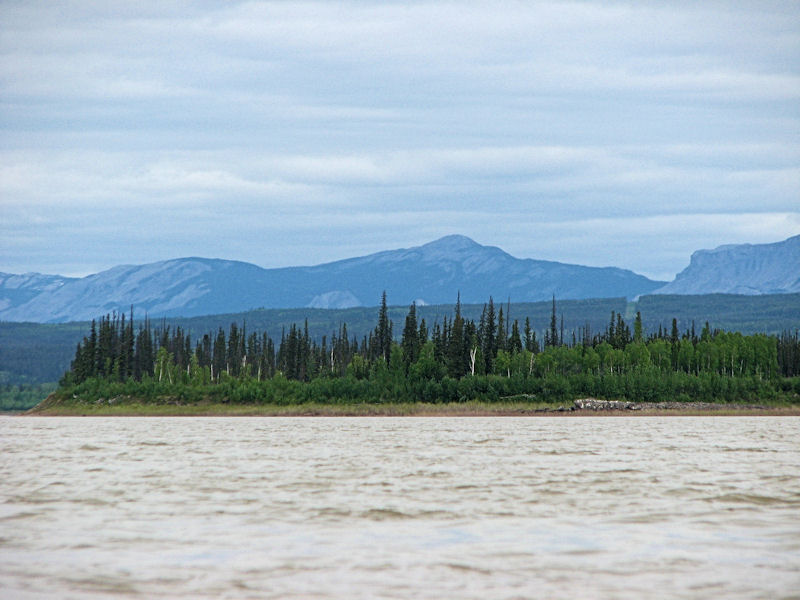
745,269
429,274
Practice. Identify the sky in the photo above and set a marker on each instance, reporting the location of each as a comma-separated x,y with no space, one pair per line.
287,133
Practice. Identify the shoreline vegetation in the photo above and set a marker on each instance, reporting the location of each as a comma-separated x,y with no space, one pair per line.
457,367
133,408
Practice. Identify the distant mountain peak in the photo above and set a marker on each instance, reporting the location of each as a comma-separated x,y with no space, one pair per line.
453,242
458,248
749,269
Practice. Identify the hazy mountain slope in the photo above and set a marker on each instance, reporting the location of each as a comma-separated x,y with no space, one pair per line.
741,269
435,272
16,290
189,286
430,274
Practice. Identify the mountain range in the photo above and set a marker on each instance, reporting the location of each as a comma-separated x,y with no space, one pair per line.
748,269
429,274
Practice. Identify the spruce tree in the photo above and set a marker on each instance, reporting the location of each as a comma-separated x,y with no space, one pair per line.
611,332
455,346
383,332
515,341
637,328
423,333
90,351
489,340
482,327
219,355
410,342
501,338
553,339
674,340
528,336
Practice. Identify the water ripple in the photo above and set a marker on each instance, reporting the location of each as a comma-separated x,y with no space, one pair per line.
400,508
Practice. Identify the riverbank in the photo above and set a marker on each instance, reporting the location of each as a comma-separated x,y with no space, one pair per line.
583,407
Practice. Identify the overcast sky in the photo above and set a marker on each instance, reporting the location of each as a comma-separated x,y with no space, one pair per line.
285,133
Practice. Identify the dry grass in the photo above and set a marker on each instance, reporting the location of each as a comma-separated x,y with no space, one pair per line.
465,409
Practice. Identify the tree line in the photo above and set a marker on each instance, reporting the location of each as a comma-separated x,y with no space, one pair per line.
490,357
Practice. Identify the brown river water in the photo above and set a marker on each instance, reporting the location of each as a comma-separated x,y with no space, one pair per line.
549,507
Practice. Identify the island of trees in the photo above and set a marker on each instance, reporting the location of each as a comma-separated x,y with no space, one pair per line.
457,360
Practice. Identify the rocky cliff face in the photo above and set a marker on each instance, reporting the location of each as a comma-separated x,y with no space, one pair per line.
749,269
430,274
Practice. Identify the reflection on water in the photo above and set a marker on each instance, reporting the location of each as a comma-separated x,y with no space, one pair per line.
693,507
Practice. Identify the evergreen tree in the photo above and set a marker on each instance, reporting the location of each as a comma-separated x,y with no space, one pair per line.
674,341
637,328
456,363
218,361
502,334
515,342
489,338
553,338
528,335
438,344
622,334
481,332
423,333
611,331
383,332
89,361
535,349
232,358
144,358
410,341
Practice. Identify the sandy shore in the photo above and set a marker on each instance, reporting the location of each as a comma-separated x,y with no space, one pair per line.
466,409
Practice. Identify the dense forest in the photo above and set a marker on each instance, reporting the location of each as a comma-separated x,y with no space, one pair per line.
22,396
457,359
32,353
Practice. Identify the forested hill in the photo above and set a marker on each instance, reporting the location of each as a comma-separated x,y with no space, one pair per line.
493,359
771,314
35,353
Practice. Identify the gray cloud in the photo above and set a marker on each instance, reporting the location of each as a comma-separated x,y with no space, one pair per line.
285,133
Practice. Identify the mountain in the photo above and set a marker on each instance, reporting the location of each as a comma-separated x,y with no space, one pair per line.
16,290
749,269
435,272
180,287
430,274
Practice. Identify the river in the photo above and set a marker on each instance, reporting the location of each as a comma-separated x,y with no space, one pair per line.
556,507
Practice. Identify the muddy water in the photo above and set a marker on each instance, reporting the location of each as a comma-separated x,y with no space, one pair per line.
675,507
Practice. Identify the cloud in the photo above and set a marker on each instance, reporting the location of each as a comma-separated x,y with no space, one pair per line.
285,132
695,178
658,246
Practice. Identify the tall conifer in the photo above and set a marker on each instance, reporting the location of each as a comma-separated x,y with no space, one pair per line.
410,341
